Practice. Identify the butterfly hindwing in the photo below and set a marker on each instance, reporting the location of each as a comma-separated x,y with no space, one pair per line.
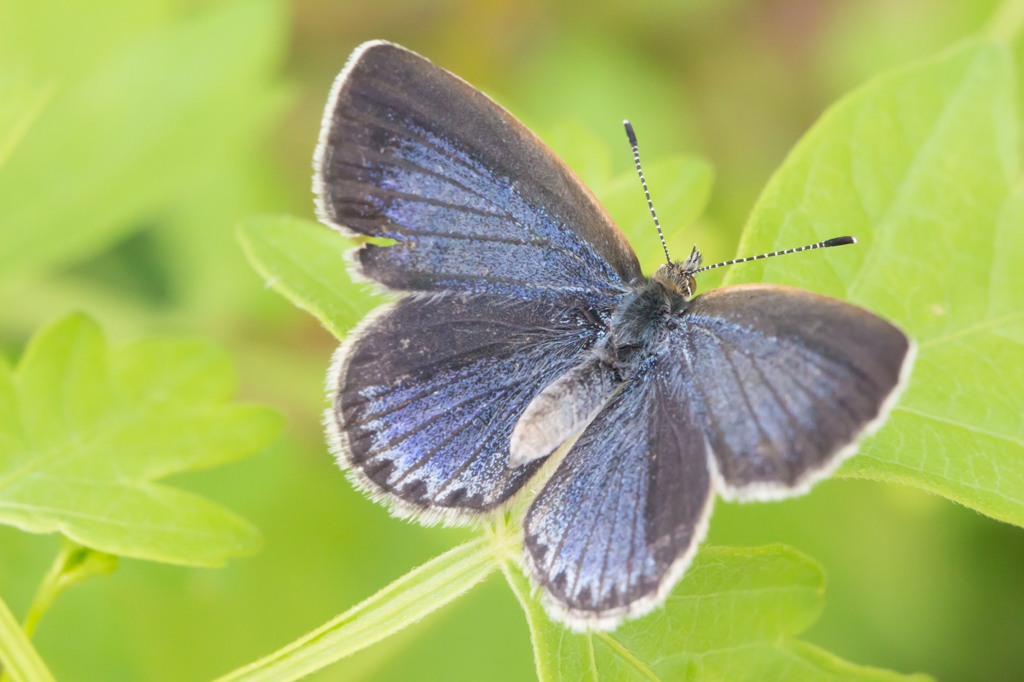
474,201
426,393
618,521
786,381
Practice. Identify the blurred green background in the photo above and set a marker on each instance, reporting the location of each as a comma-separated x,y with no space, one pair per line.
162,123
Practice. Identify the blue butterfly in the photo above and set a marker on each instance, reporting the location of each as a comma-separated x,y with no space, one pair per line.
523,321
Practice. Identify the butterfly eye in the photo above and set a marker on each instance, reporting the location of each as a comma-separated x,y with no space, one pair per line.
691,286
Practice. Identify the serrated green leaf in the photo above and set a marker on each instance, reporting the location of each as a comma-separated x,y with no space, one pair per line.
305,263
403,602
85,432
921,165
123,140
733,617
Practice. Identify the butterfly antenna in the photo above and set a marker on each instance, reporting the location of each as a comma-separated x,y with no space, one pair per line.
636,159
836,241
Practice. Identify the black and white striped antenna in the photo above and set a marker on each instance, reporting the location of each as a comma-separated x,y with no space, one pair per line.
835,241
636,159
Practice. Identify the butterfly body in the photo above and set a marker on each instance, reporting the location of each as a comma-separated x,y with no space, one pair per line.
635,328
523,322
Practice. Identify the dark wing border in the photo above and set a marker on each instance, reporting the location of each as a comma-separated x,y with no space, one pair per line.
626,268
774,492
338,446
323,214
580,620
337,440
777,491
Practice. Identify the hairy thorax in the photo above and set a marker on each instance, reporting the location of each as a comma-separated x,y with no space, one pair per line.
646,314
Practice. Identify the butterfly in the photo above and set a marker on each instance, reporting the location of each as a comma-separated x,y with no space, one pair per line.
522,323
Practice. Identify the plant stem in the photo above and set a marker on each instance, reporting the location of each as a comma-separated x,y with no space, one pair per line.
73,564
20,660
48,589
398,605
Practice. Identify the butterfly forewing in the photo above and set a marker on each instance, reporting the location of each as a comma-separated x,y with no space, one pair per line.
474,200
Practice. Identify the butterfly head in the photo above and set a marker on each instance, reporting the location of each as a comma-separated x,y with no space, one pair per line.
677,277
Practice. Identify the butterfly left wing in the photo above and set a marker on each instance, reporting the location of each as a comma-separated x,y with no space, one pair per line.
617,523
474,201
522,265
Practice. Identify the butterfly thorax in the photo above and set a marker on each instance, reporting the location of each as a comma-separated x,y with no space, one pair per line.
644,315
641,320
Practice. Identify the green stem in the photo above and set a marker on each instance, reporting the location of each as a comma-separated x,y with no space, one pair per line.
73,564
21,662
48,589
1007,21
398,605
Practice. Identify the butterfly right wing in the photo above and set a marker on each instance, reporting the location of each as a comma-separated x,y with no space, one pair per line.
786,382
426,392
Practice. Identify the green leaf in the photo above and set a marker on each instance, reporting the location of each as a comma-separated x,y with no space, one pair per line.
305,263
680,187
733,617
122,141
18,658
85,432
582,150
921,166
56,39
403,602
